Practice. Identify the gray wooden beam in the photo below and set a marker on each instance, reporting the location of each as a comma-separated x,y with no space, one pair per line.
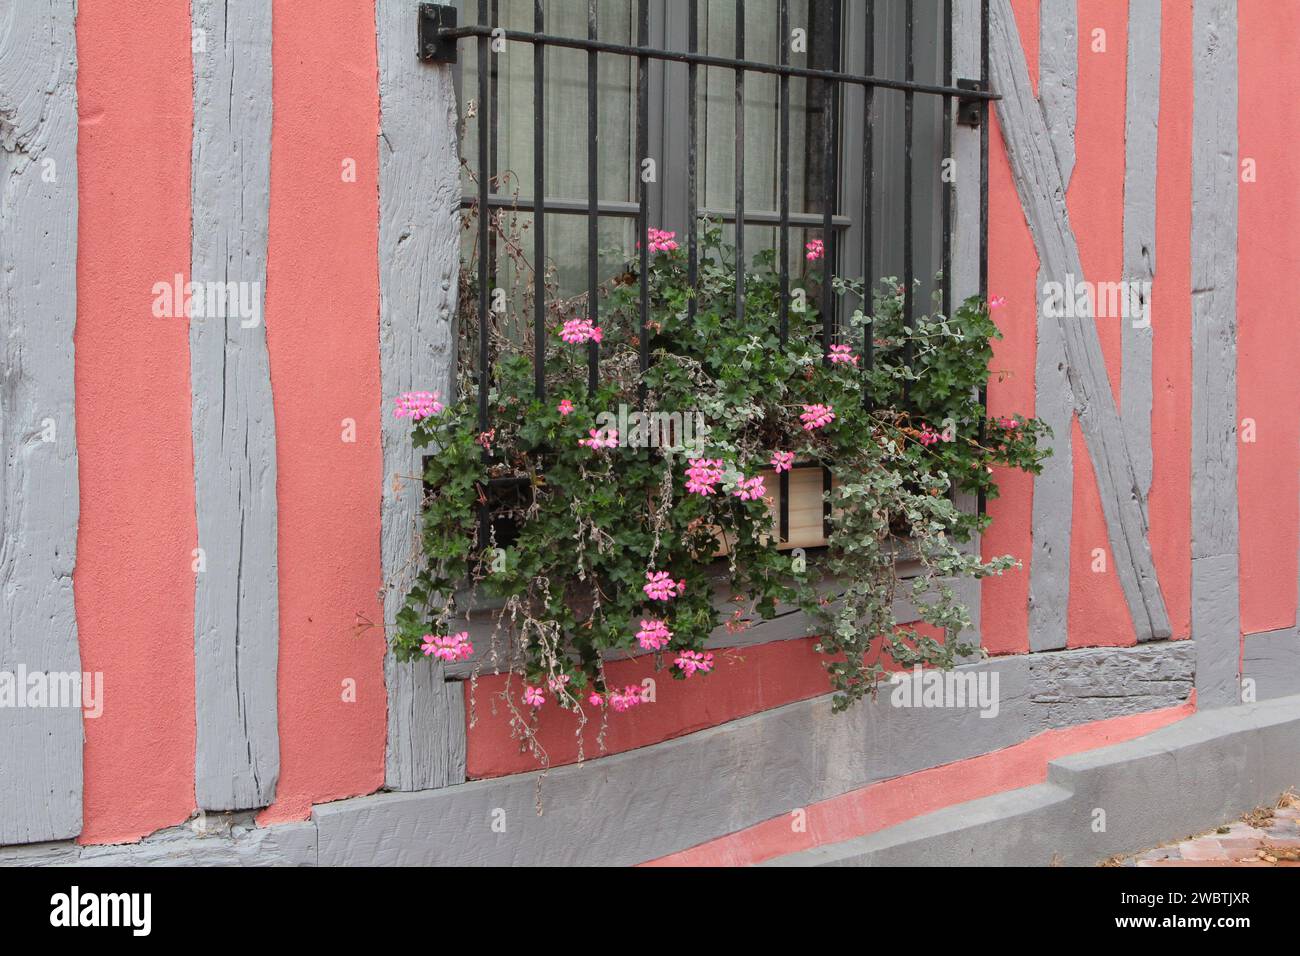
1215,615
236,599
1052,511
419,267
1058,78
40,748
1042,195
1142,113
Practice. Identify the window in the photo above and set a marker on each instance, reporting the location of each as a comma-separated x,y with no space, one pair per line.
835,37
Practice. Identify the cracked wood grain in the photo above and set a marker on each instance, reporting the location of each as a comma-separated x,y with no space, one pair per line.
236,598
40,748
419,268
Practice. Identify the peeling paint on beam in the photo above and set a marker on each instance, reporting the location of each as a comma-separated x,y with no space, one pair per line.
1215,565
1042,194
419,267
236,599
40,748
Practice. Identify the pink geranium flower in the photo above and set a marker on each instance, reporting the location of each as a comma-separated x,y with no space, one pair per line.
626,699
750,489
534,697
600,439
841,354
660,587
661,240
702,475
557,684
565,408
816,249
417,405
577,331
596,699
928,436
691,661
816,416
997,302
1010,424
782,461
448,647
654,635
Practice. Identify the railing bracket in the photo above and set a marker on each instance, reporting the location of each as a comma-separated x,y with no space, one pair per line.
434,18
970,109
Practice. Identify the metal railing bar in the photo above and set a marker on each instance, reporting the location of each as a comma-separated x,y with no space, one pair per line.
593,201
630,210
539,213
692,156
643,188
909,171
946,188
868,208
783,44
740,163
707,59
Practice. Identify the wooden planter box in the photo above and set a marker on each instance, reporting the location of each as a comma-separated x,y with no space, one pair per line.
807,514
806,509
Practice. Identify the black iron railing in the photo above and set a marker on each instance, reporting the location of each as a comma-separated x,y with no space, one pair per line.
438,36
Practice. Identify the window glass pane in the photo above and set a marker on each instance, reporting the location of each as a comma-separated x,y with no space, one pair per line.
565,107
717,109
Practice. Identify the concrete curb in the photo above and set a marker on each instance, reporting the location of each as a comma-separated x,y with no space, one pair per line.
1179,780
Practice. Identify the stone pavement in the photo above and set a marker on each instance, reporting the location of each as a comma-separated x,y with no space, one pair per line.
1268,836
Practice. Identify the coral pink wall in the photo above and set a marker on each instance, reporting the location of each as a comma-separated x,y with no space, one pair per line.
1268,284
1098,613
1013,275
744,681
133,582
322,323
1169,507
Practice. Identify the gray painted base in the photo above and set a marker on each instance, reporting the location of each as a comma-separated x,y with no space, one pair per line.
679,793
1183,779
216,840
1272,661
1186,777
